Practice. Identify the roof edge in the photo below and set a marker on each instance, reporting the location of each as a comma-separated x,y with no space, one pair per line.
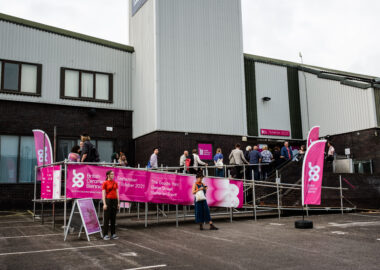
286,63
66,33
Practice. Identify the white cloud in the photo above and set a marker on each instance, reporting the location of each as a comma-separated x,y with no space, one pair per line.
330,33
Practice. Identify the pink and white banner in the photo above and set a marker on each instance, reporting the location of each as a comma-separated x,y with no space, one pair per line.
312,173
51,182
42,143
313,135
85,181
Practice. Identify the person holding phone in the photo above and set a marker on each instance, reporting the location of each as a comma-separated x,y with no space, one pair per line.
202,212
111,203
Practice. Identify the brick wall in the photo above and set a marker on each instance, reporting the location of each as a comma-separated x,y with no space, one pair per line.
19,118
364,145
172,145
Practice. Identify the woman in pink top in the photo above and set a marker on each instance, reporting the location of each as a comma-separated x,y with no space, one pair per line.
74,154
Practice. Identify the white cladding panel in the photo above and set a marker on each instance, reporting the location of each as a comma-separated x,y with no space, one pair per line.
272,81
200,67
337,108
142,37
55,51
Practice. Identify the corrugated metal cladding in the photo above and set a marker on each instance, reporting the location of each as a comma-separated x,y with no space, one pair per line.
200,67
142,36
335,107
250,96
294,103
272,82
55,51
377,104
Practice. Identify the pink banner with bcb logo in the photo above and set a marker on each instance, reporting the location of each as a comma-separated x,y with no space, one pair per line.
85,181
312,173
313,135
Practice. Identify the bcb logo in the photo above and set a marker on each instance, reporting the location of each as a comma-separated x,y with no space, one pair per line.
78,179
41,155
314,172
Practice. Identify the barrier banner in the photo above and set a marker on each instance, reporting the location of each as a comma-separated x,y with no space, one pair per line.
313,135
312,173
85,181
51,182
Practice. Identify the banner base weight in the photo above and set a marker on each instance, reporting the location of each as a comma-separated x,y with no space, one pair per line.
303,224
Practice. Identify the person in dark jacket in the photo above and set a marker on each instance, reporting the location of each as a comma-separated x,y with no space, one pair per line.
86,149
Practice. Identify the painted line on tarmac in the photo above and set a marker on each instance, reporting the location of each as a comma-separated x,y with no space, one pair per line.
12,227
144,247
54,250
276,224
148,267
207,236
339,232
362,215
29,236
129,254
16,221
378,239
354,224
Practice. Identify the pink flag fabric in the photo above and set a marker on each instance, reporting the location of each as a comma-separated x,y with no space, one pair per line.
313,135
44,156
312,173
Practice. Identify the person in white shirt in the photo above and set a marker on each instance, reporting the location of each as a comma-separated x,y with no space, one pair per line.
153,159
331,152
182,159
197,161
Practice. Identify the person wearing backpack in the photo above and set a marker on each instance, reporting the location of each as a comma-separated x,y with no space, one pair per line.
89,152
218,161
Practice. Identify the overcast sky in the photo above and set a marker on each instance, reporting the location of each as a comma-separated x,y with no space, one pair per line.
340,34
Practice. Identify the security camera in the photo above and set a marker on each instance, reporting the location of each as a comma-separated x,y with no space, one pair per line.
266,98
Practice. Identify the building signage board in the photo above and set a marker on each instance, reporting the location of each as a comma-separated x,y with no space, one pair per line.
275,132
205,151
136,5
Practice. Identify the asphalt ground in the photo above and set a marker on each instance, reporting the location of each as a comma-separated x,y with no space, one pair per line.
349,241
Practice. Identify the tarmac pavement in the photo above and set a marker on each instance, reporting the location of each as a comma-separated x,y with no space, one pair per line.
349,241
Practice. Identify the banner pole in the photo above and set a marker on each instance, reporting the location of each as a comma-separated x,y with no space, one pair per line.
341,193
65,204
146,214
35,190
43,158
254,198
55,143
176,215
278,201
303,214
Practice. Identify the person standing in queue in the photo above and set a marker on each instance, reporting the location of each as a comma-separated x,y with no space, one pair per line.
202,212
111,203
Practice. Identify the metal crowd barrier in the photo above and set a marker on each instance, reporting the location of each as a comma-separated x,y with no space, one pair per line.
250,205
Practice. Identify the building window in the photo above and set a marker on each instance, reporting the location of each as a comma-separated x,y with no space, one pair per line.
104,147
20,78
17,159
86,85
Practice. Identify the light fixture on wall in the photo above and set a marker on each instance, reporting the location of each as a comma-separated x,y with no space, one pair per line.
266,98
